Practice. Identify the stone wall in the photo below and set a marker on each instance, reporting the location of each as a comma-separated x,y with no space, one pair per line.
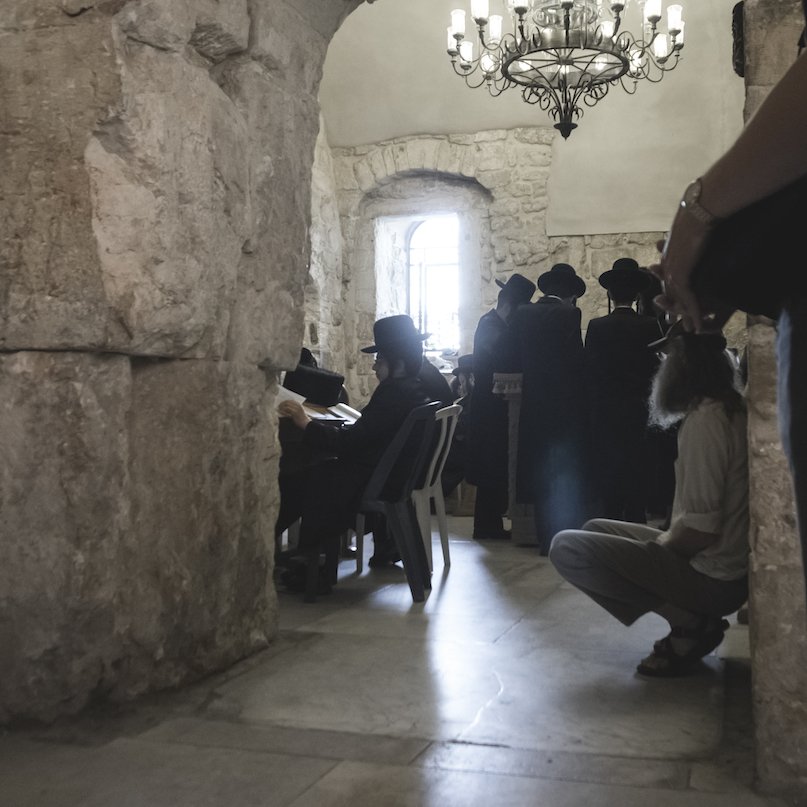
155,204
778,622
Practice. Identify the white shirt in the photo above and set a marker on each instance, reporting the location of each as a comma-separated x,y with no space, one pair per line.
711,487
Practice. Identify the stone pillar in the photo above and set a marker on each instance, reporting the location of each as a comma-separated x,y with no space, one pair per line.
778,623
509,386
155,204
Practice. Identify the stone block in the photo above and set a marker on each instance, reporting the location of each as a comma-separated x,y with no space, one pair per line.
137,503
283,129
221,28
539,136
364,175
169,251
199,554
64,512
490,136
52,290
493,180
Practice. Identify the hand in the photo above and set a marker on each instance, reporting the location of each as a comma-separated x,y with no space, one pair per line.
295,411
679,255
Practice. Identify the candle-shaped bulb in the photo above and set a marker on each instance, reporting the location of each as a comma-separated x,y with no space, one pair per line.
679,37
467,51
451,43
674,18
652,10
458,21
495,27
480,9
661,47
607,29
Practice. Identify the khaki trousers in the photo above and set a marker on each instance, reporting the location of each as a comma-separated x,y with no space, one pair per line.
621,567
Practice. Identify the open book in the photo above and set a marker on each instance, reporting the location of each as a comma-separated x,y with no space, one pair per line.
341,413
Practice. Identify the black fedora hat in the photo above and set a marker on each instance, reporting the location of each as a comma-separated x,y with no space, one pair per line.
562,281
465,364
625,275
391,333
518,288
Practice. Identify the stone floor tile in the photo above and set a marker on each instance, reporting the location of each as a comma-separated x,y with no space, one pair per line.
131,773
353,784
287,741
560,765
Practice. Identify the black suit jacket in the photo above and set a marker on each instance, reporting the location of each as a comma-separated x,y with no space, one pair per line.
553,403
487,435
619,364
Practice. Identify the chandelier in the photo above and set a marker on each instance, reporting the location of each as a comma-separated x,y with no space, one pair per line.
562,54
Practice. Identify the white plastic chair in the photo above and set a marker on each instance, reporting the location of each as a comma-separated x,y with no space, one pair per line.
432,489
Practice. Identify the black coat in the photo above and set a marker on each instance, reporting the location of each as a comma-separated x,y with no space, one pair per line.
487,437
619,368
553,426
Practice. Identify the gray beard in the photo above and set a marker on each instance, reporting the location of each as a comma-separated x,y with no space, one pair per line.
669,397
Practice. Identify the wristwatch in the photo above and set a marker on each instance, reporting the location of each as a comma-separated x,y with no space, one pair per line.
691,203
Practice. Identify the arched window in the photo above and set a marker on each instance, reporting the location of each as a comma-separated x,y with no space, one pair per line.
434,278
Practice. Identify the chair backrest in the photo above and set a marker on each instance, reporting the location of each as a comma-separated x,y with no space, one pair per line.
446,420
404,461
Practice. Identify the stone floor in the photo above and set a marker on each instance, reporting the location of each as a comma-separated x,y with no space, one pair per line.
507,687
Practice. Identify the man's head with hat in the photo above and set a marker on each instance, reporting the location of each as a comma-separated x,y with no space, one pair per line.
624,281
562,281
695,367
515,292
518,290
398,345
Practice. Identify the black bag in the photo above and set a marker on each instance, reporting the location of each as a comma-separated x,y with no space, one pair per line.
756,259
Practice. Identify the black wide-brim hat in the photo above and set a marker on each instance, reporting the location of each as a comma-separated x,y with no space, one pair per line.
625,275
518,288
393,333
465,364
562,281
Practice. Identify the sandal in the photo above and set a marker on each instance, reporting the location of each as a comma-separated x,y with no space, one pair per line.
665,662
660,644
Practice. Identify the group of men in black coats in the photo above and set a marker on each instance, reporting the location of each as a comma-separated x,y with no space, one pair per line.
583,422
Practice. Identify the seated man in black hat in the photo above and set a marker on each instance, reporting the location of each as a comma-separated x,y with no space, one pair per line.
327,496
553,427
488,431
694,573
619,369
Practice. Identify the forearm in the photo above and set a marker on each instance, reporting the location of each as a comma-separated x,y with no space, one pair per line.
686,541
770,153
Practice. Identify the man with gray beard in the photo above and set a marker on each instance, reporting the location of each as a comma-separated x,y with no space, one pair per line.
694,573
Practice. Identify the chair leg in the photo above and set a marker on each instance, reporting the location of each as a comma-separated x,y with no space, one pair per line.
311,575
442,523
412,552
421,501
359,543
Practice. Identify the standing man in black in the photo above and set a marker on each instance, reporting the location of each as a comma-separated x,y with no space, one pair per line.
487,434
553,428
619,370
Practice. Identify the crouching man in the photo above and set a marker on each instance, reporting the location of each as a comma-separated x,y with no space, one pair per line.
695,573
